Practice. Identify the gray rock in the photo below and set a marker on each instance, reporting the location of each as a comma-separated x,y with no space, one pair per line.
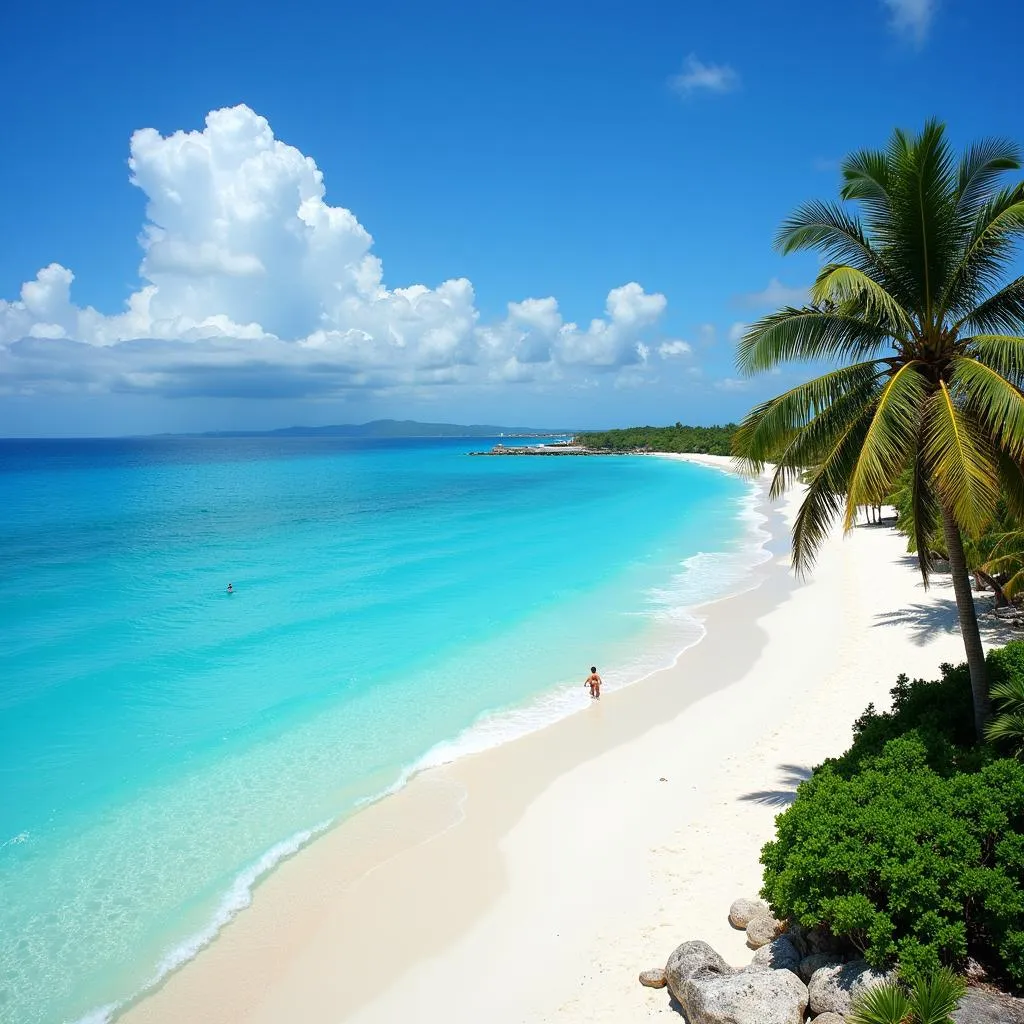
987,1006
764,929
654,978
829,1018
693,959
835,987
780,955
821,940
747,997
815,962
743,911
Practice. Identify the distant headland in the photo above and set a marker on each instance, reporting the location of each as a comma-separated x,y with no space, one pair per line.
387,428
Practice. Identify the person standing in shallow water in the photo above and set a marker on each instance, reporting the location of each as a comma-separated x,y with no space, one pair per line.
594,682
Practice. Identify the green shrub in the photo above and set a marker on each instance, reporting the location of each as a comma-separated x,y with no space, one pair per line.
939,712
908,863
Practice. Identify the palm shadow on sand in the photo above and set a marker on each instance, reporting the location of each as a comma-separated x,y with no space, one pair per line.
791,775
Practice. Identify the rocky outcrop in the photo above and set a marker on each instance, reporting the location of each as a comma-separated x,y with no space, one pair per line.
746,997
743,911
987,1006
762,929
654,978
815,962
780,955
692,960
834,988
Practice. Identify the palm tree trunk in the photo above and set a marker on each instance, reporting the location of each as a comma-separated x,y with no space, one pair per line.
968,619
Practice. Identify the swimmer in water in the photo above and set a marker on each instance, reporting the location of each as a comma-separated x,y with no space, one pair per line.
594,682
231,588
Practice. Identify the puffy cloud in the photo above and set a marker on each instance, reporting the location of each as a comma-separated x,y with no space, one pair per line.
911,18
697,76
253,285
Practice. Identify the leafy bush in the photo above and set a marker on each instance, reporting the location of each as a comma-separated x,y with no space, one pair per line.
906,862
939,712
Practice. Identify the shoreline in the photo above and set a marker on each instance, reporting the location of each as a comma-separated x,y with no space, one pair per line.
527,856
413,813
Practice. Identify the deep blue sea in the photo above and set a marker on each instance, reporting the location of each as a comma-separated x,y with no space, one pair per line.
163,743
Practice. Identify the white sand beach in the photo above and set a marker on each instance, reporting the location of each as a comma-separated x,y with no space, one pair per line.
532,882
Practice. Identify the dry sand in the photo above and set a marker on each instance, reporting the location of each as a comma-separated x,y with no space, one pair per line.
532,882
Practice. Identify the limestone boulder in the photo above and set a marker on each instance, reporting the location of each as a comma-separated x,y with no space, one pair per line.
833,989
779,955
693,959
654,978
987,1006
815,962
762,929
743,911
829,1018
746,997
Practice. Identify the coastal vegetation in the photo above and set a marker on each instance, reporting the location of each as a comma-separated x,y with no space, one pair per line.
914,310
677,438
930,1000
910,846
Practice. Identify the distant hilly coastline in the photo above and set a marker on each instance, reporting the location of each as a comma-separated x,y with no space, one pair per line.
388,428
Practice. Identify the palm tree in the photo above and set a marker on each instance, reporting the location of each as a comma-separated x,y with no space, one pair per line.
912,311
930,1000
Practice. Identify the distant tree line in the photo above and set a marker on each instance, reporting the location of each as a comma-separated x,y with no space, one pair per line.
677,438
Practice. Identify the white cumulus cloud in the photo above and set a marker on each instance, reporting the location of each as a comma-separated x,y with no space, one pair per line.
672,349
254,285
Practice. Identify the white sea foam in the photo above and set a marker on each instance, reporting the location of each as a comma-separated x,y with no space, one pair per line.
237,898
704,577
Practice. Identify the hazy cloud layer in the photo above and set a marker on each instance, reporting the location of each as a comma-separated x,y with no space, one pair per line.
253,285
911,18
775,295
697,76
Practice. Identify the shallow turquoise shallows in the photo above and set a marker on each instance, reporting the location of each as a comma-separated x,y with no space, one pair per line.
163,743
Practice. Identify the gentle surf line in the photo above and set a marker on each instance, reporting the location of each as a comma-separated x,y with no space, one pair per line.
491,729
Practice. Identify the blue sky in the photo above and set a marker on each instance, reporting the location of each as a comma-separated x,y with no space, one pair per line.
542,213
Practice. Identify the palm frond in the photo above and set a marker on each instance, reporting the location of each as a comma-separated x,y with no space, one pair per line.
963,463
890,439
1011,484
921,237
998,404
840,284
1002,313
985,251
887,1003
1005,728
934,999
812,445
807,334
823,500
867,179
980,168
768,428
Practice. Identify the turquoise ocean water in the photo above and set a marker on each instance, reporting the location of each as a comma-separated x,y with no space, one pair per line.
164,744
